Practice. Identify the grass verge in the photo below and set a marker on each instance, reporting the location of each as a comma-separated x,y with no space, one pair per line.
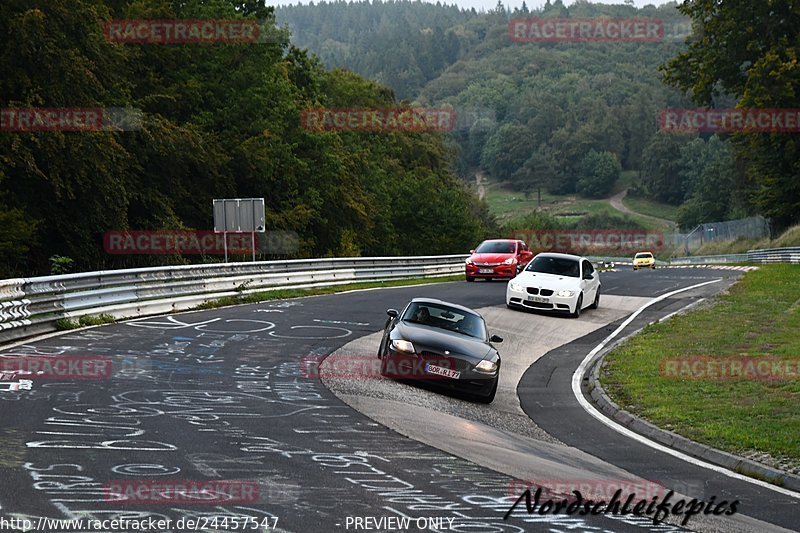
509,205
645,206
282,294
759,316
63,324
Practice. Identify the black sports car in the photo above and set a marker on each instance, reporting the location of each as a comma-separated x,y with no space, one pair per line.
442,343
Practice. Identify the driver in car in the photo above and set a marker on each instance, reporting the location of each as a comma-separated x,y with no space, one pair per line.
423,315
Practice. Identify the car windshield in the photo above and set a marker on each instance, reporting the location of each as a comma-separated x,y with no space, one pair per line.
496,247
555,265
445,317
643,256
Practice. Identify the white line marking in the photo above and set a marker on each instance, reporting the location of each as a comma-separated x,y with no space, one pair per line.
589,408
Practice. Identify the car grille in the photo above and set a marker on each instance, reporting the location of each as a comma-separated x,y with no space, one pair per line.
443,360
487,264
543,292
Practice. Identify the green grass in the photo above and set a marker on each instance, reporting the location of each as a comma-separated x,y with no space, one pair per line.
759,316
282,294
653,208
509,205
96,320
64,324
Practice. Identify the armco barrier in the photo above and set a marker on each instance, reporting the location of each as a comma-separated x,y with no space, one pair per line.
710,259
31,306
775,255
768,255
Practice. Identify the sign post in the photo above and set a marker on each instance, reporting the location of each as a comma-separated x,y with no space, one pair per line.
239,215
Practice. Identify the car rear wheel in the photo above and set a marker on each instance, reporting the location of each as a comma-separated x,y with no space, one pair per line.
577,312
490,397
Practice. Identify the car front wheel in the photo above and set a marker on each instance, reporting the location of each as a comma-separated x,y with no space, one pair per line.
577,312
596,302
470,278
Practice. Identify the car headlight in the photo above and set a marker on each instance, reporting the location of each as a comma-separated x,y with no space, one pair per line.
565,294
509,261
514,286
469,261
486,366
402,346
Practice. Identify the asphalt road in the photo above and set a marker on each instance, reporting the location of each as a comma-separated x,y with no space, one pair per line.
221,395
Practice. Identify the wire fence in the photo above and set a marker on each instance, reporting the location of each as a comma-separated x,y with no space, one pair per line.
751,228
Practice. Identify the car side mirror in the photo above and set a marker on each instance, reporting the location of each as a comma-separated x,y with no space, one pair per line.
472,251
392,313
495,338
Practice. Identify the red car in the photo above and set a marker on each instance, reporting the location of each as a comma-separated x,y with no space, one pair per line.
498,258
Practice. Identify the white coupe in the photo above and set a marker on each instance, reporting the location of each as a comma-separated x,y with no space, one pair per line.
556,282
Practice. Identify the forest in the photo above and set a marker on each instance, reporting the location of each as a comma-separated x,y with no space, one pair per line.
223,120
219,120
568,117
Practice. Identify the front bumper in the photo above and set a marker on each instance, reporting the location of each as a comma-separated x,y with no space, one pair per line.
411,367
561,304
644,264
495,271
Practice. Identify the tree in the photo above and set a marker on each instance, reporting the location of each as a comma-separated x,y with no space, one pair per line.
506,150
598,172
713,192
749,51
661,167
540,171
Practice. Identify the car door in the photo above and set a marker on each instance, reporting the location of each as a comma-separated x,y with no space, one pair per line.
525,255
590,282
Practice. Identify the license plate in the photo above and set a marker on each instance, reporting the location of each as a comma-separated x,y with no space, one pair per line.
486,270
539,299
439,371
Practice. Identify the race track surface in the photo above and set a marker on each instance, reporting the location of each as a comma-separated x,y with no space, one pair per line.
224,395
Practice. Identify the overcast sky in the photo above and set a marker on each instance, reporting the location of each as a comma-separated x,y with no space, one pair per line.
489,4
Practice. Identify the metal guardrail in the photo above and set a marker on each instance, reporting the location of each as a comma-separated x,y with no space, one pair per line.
775,255
767,255
31,306
706,259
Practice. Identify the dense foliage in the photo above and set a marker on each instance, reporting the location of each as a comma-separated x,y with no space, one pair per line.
220,120
549,105
749,52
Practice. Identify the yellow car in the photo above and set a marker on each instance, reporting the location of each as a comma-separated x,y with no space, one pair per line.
644,260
